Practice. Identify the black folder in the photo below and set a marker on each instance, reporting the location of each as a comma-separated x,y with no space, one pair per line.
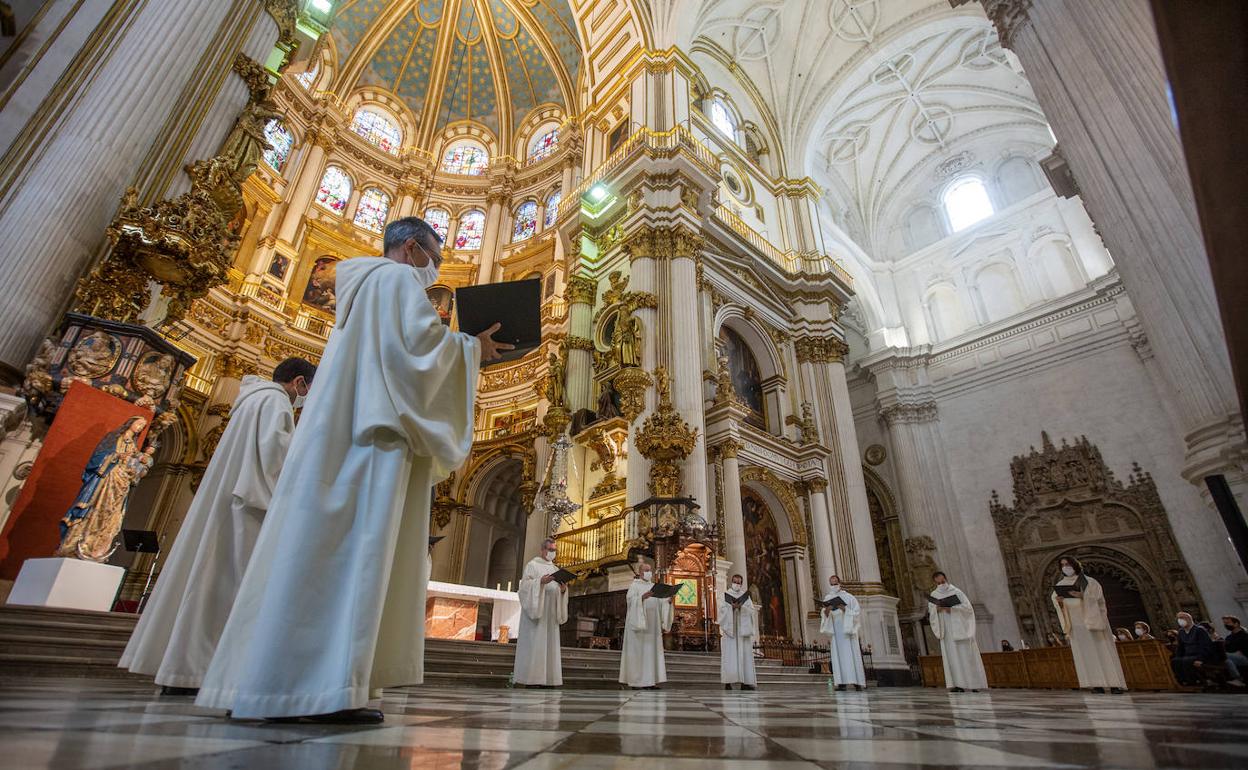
736,601
664,590
1065,591
140,541
435,539
835,603
562,576
517,305
951,600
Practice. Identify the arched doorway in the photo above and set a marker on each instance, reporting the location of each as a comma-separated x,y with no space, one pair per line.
763,564
496,523
1123,602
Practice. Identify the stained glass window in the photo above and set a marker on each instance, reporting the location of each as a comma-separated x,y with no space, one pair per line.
335,190
471,227
544,145
465,158
526,222
306,79
439,220
377,130
966,203
552,207
280,141
372,210
721,118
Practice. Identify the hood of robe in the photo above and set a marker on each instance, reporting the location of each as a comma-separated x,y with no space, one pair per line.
734,591
944,590
251,385
350,276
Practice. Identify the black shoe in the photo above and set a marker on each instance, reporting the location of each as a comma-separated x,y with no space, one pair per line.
956,689
364,716
179,691
840,688
1117,690
1098,690
859,687
748,687
727,687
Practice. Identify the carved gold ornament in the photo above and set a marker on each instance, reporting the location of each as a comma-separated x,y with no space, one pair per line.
94,355
631,384
665,439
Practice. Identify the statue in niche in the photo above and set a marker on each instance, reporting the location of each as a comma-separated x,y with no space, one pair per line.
94,355
90,528
626,340
245,145
608,402
152,376
555,380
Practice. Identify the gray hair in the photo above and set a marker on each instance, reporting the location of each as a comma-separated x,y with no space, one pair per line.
548,542
398,231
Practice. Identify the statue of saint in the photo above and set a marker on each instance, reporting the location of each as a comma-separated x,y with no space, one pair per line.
555,377
627,340
246,144
152,376
93,521
608,402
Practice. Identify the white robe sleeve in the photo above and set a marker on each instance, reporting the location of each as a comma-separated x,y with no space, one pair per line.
530,592
636,620
725,618
1095,616
960,620
747,622
1063,617
666,614
853,615
272,423
563,604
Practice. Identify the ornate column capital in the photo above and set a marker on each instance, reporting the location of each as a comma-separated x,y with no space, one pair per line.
410,189
663,243
322,135
820,350
909,414
817,484
234,367
729,448
580,290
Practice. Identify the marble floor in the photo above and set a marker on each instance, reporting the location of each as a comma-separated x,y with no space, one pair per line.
76,723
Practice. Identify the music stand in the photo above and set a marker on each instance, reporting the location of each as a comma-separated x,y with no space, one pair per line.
142,541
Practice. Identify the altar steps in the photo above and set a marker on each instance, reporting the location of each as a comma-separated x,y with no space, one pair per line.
37,641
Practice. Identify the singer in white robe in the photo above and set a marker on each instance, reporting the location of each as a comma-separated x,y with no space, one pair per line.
179,628
543,608
1086,625
333,603
841,627
641,660
738,628
955,628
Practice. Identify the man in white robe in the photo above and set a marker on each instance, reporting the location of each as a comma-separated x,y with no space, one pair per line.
738,628
955,628
543,608
841,627
1086,624
179,628
332,606
641,660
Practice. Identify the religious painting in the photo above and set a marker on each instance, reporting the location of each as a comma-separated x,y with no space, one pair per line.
747,382
279,266
443,300
687,592
512,422
319,292
763,564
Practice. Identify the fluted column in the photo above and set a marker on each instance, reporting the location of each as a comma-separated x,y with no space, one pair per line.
821,523
319,142
68,166
846,454
734,521
685,363
406,206
641,278
579,294
493,237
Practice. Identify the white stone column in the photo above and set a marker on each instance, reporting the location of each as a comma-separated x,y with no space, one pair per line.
406,205
20,441
685,365
494,237
305,186
62,187
845,441
538,525
734,521
579,294
821,537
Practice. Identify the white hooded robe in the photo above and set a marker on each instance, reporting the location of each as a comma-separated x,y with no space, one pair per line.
1086,624
641,659
841,628
333,603
178,630
543,608
959,651
738,628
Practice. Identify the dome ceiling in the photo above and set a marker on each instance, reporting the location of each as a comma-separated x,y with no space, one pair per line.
489,61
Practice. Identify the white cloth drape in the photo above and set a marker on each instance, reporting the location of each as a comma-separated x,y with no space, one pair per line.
543,608
179,629
333,603
1086,624
841,628
641,660
738,628
959,651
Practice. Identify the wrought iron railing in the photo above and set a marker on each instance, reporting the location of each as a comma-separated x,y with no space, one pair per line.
606,540
789,653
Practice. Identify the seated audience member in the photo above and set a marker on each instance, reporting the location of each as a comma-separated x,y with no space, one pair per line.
1195,652
1172,640
1056,640
1236,643
1143,630
1122,635
1006,646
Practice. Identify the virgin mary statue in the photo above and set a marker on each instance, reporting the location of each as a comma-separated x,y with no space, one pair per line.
92,523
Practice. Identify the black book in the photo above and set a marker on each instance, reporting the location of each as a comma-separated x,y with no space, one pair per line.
835,603
562,576
1065,591
435,539
517,305
664,590
736,601
951,600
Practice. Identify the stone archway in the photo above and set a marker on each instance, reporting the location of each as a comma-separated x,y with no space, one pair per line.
780,503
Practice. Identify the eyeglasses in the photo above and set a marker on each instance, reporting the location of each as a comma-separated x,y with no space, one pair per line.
434,255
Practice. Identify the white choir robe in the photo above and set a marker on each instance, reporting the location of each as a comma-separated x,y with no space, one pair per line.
959,652
179,628
543,608
1086,624
738,628
641,660
333,603
841,628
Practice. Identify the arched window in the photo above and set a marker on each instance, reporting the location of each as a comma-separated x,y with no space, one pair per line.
526,222
966,202
307,79
465,158
747,382
545,145
377,130
372,210
722,119
1017,180
335,190
471,227
552,207
280,141
439,220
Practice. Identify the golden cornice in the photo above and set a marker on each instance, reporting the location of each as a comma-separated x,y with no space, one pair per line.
820,350
729,448
580,343
663,243
581,290
286,14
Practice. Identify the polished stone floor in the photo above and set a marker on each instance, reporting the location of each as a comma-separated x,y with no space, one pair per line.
75,723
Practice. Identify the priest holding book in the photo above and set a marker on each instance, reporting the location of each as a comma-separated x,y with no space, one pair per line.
649,616
543,608
953,622
840,623
1080,604
738,627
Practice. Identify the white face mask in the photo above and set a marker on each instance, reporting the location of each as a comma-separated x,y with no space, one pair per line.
1182,622
427,275
1139,632
549,555
736,586
1068,570
646,576
835,586
300,398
